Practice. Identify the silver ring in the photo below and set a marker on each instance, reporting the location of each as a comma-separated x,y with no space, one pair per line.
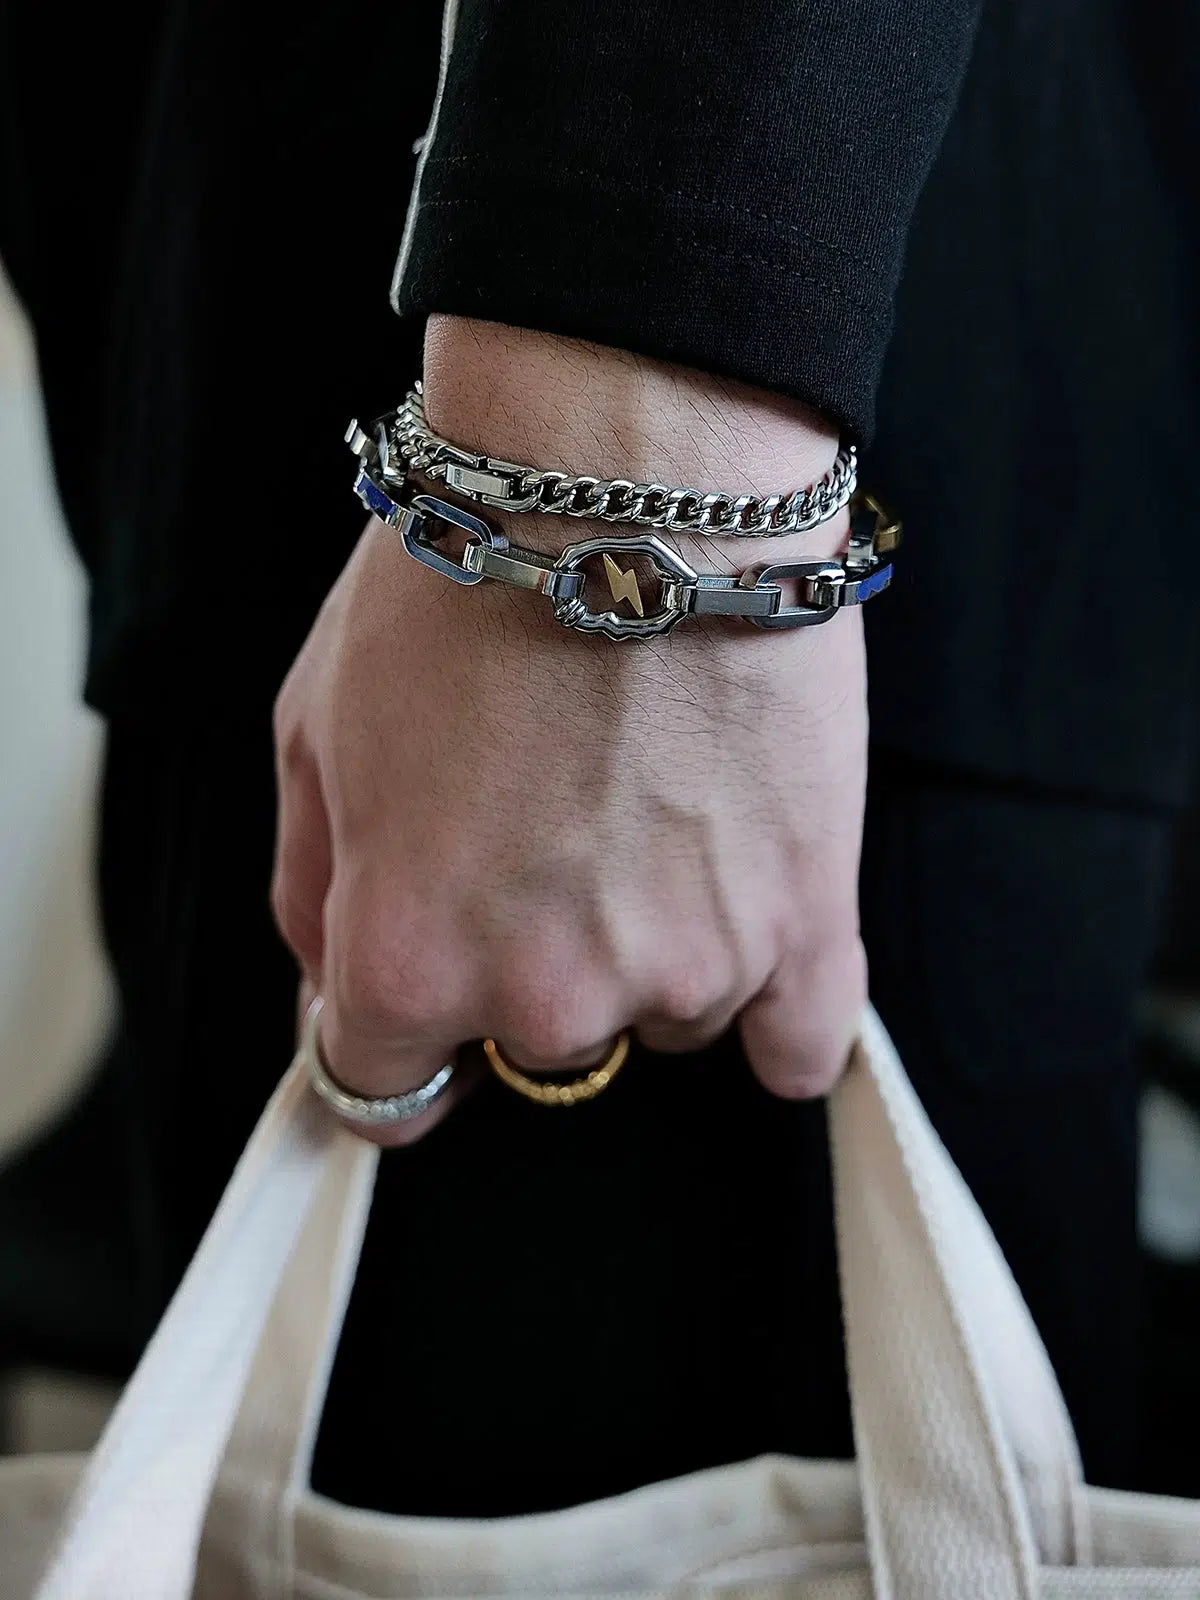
369,1111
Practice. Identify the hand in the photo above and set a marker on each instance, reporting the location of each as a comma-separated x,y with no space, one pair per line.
490,825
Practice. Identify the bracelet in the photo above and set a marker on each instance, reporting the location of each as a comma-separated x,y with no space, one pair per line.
757,595
508,486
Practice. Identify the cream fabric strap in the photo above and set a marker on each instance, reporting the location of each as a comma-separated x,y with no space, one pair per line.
967,1466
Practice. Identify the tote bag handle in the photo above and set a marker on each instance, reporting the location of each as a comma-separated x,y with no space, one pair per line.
133,1527
967,1461
968,1467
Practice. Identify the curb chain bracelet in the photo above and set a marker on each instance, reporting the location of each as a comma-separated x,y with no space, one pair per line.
508,486
425,524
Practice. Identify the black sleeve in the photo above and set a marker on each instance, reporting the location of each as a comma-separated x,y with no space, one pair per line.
722,183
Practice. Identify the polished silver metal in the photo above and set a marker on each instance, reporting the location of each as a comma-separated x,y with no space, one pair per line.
368,1111
668,568
815,606
723,597
509,486
486,553
480,536
822,587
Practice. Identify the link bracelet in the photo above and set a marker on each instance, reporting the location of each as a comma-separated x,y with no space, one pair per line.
757,595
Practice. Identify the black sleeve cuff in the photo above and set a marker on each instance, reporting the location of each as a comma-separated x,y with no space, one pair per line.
725,187
770,316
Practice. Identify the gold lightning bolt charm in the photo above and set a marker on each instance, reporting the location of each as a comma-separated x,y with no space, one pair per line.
624,585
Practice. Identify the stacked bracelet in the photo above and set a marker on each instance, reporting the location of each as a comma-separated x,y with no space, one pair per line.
429,528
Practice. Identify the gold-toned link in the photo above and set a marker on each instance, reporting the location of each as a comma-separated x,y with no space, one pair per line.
888,527
624,585
560,1094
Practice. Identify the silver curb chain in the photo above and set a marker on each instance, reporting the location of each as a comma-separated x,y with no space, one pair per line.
509,486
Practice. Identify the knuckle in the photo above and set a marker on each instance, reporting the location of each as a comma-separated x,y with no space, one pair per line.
365,997
549,1021
690,991
545,1035
379,992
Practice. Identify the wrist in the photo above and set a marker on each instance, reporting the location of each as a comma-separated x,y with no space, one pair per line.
527,396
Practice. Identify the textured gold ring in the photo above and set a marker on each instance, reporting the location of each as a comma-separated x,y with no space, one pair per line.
560,1094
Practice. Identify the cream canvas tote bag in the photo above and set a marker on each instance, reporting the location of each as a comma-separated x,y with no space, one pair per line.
967,1483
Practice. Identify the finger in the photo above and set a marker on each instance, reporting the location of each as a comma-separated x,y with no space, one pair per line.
300,881
669,1036
368,1066
694,993
397,994
798,1031
554,1019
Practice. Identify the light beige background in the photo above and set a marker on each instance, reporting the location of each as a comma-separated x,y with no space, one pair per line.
55,993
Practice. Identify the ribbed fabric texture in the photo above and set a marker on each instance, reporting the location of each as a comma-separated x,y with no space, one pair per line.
719,184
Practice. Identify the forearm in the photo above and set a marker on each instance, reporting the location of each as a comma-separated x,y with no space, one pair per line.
518,393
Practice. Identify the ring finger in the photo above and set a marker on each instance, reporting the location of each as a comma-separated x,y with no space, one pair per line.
391,1094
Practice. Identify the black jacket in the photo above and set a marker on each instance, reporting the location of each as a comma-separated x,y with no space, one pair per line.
205,244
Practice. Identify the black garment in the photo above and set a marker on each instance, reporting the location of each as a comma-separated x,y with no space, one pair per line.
1008,932
215,296
1038,417
725,186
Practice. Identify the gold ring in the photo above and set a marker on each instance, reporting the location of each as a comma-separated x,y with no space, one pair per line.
560,1094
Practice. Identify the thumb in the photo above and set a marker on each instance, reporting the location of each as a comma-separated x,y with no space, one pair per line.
799,1029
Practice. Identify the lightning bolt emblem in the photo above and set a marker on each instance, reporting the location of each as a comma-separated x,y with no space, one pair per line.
624,585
